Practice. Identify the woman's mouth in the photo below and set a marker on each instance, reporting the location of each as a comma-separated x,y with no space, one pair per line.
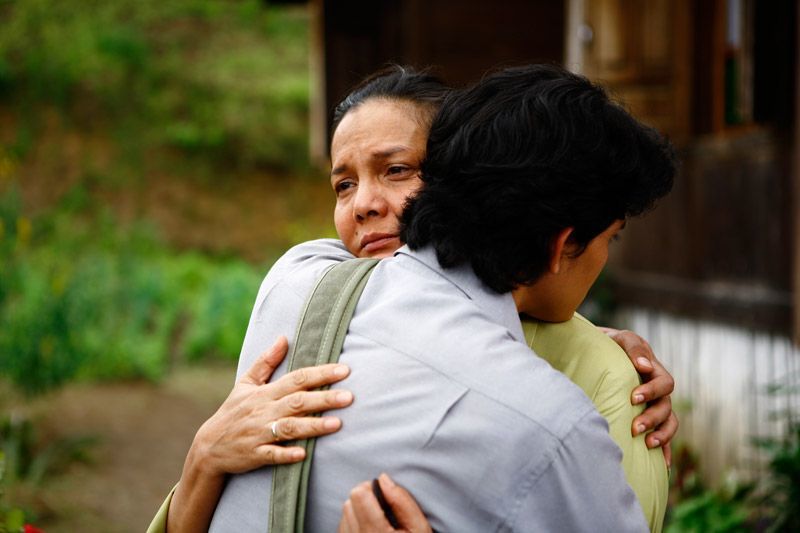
373,242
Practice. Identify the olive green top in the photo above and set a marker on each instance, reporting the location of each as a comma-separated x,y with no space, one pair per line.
594,362
159,523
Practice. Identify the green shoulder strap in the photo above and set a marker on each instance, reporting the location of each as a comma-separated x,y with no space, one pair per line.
318,340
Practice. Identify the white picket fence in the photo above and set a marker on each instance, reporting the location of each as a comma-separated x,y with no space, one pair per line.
723,375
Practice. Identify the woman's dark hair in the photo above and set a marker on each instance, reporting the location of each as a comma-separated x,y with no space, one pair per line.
521,155
396,83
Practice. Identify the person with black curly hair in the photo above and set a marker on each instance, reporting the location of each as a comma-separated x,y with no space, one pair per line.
529,175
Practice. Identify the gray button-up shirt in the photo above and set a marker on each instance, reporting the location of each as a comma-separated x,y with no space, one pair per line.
448,400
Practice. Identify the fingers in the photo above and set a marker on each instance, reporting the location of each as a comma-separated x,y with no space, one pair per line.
656,414
267,362
302,428
405,507
660,385
311,377
365,511
269,454
636,348
667,449
663,434
362,512
658,381
307,402
349,521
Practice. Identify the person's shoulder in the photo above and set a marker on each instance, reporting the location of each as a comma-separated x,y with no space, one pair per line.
584,353
311,256
302,264
577,335
319,250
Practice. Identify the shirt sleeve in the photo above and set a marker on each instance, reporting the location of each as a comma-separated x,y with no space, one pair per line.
159,523
582,489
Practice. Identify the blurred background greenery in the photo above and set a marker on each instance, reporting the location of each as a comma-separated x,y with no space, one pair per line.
153,163
102,100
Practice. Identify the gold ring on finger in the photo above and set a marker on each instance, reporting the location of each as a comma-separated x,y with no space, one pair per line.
274,428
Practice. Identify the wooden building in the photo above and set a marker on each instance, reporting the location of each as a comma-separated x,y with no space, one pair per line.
712,277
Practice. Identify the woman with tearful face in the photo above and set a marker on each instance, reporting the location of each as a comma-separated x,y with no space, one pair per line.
378,145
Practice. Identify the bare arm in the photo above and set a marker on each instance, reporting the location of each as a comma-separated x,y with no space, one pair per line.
655,391
245,433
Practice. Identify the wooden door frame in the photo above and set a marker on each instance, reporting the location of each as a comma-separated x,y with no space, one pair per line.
796,190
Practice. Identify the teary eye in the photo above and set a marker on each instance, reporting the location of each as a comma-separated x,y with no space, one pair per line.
341,186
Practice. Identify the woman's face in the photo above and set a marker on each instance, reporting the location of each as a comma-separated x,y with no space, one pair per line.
376,153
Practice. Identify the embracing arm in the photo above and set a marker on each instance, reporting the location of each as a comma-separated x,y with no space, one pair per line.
655,390
244,433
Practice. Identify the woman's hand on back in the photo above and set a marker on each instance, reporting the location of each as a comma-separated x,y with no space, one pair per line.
246,432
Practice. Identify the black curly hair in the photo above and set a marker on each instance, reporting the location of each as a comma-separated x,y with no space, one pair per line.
521,155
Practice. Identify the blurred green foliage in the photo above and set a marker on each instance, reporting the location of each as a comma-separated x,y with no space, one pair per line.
225,82
83,298
177,88
12,518
719,511
781,497
29,458
770,503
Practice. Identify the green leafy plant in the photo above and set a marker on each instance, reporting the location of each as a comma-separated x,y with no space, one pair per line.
123,305
771,504
719,511
782,497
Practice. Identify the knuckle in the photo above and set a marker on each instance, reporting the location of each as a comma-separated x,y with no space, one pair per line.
269,454
289,428
295,401
330,399
360,490
300,377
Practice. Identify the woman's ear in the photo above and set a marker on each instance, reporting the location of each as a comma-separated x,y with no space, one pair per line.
559,249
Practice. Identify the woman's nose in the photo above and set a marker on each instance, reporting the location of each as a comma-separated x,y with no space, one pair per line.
370,201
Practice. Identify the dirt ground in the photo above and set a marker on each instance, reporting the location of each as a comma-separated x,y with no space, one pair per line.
143,432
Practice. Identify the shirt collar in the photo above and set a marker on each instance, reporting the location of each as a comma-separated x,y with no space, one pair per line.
500,307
